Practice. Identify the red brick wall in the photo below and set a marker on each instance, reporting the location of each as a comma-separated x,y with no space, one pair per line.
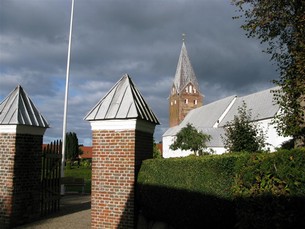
20,165
7,152
117,156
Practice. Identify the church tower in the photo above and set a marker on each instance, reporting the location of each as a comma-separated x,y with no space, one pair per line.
185,94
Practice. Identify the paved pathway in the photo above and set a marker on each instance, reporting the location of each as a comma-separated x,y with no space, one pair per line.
74,213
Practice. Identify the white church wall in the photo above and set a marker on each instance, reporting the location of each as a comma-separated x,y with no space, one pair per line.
217,150
273,141
272,138
167,152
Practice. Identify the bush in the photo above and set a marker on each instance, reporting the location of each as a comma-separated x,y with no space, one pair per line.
86,163
175,191
259,190
270,190
241,134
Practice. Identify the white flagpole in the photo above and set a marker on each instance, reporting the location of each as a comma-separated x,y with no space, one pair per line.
62,189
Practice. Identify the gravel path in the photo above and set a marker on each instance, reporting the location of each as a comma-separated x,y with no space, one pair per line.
74,213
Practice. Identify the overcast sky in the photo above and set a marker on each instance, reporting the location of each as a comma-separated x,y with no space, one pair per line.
113,37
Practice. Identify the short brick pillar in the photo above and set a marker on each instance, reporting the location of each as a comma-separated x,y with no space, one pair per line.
20,172
117,154
21,133
122,137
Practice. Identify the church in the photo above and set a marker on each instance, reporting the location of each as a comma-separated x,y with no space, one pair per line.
186,105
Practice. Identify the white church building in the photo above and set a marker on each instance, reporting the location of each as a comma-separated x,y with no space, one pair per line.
212,118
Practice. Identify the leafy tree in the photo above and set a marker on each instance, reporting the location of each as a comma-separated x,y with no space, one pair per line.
243,135
156,152
72,150
281,24
189,138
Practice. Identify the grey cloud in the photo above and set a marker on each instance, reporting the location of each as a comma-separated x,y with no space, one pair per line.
110,38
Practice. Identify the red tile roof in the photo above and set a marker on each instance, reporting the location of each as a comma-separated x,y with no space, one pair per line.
87,152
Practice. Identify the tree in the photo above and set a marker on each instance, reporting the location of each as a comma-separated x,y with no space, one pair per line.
189,138
156,152
281,24
243,135
72,151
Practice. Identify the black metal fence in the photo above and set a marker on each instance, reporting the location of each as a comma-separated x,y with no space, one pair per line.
50,179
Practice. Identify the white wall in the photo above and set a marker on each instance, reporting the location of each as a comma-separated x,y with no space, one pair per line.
272,138
167,152
218,150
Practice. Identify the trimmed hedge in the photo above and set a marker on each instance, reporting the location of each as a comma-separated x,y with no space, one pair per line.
269,190
225,191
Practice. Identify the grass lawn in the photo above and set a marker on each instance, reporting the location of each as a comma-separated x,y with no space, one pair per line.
81,172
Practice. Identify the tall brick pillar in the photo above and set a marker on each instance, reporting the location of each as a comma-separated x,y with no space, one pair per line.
121,138
21,134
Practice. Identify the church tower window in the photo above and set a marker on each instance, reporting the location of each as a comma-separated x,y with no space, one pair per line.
186,101
191,89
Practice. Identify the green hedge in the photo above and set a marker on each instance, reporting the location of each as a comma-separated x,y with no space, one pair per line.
224,191
269,190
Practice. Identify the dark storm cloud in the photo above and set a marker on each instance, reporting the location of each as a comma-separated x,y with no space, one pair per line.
113,37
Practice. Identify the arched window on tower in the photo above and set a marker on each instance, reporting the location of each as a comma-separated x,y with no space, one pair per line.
173,91
195,102
186,90
191,89
194,90
186,101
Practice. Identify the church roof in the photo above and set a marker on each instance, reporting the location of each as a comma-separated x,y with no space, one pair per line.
18,109
123,101
260,104
184,72
203,117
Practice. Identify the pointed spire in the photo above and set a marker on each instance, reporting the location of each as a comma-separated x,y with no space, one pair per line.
123,101
18,109
183,37
184,72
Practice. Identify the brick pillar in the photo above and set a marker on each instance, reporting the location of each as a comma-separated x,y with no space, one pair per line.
20,171
119,146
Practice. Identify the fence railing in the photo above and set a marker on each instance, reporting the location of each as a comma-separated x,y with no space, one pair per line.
50,179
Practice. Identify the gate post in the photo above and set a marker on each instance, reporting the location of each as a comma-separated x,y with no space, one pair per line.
122,136
21,133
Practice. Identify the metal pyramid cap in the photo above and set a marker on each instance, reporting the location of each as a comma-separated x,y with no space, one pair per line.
123,101
18,109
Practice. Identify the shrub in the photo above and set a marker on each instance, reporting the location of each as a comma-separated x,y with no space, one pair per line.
241,134
189,138
259,190
270,190
175,191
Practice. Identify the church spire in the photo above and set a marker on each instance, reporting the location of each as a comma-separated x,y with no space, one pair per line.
184,72
185,94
